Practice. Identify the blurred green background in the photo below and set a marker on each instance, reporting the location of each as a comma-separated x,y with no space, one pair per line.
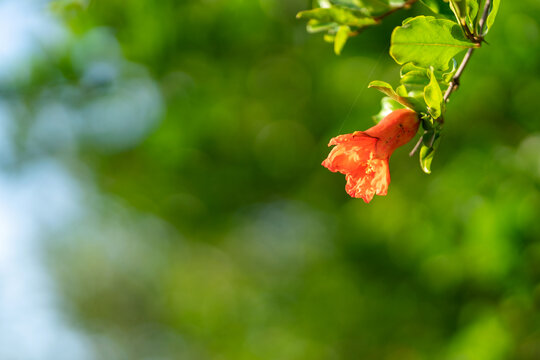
162,194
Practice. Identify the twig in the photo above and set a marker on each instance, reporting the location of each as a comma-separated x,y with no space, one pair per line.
378,19
417,146
390,12
484,17
455,80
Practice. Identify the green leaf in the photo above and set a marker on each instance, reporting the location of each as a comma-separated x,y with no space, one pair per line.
413,76
314,26
433,5
426,41
341,38
369,7
439,7
336,21
409,69
388,90
329,38
465,12
472,13
339,15
402,91
414,80
492,14
428,124
426,157
433,96
356,5
430,143
459,8
448,75
387,106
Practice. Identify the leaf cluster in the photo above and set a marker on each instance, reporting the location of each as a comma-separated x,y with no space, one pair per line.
341,19
425,46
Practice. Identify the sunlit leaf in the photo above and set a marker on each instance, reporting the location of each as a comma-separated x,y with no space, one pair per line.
427,41
426,157
433,5
493,14
388,90
459,7
314,26
341,38
402,91
430,143
413,75
465,12
387,106
439,7
449,74
472,13
337,15
414,79
329,38
433,95
352,4
336,21
369,7
410,69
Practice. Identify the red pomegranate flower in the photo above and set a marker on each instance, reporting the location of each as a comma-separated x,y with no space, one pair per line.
363,155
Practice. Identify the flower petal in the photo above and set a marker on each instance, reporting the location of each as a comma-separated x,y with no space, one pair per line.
368,180
348,154
340,139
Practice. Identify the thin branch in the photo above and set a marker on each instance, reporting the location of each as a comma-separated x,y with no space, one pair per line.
407,5
378,19
455,80
483,19
417,146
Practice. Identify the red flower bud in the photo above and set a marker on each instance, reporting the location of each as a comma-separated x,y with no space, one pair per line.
363,155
